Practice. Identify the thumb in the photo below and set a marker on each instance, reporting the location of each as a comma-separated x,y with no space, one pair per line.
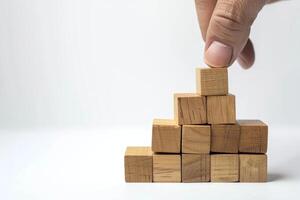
229,30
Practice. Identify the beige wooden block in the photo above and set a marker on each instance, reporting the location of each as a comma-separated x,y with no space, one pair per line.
212,81
221,109
254,136
195,168
166,168
253,168
225,138
189,109
195,139
224,167
166,136
138,164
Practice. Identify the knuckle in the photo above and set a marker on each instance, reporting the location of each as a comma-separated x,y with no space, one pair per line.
232,11
227,24
229,28
238,12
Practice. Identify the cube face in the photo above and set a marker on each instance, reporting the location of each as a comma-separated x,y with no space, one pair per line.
138,164
225,138
196,139
224,168
166,168
221,109
190,109
253,168
212,81
254,136
166,136
195,168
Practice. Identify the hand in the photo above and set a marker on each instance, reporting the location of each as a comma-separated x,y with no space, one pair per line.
225,27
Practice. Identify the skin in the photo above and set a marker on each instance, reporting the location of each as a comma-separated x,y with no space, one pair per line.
225,27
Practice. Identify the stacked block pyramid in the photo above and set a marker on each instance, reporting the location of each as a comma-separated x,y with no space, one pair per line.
204,142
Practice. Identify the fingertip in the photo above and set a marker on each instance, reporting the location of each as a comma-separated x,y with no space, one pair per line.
247,57
218,55
244,64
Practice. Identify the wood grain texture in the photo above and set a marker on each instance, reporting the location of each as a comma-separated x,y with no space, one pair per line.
195,168
166,168
221,109
138,164
212,81
254,136
253,168
166,136
189,109
225,138
196,139
224,168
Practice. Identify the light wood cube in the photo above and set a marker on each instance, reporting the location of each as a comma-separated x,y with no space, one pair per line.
166,136
195,139
221,109
138,164
190,109
212,81
225,138
195,168
224,167
253,168
254,136
166,168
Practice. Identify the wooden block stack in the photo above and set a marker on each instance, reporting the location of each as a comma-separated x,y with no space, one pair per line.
204,142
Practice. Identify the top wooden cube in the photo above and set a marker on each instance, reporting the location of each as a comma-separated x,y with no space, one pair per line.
212,81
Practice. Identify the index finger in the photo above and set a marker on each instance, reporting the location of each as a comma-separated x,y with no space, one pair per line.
205,9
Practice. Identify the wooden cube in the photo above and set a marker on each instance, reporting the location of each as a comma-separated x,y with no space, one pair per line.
138,164
253,168
166,168
166,136
195,139
225,138
254,136
212,81
195,168
224,167
190,109
221,109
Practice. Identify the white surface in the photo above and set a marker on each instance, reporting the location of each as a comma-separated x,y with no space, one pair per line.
75,164
67,63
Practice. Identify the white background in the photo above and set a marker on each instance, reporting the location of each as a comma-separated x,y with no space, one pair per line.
81,79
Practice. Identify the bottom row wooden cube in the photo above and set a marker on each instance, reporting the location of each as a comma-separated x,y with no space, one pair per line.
138,164
253,168
141,165
195,168
166,168
225,168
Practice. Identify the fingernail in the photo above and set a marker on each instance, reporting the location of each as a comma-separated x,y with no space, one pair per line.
218,55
